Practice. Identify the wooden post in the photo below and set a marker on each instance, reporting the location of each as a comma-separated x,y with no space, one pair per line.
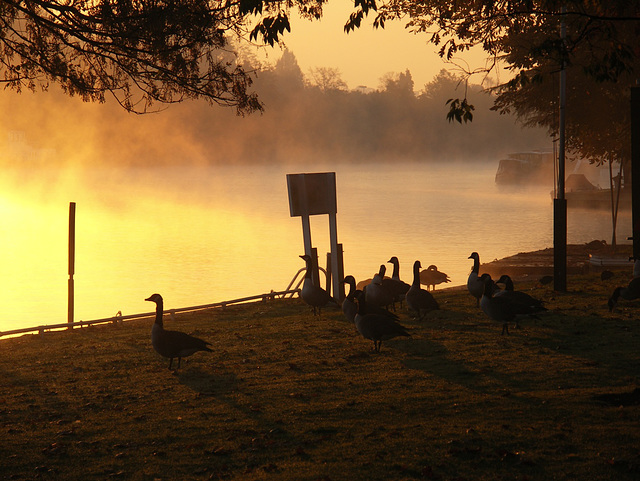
340,274
72,260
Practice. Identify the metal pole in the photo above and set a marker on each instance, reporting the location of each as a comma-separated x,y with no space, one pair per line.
72,261
560,203
635,169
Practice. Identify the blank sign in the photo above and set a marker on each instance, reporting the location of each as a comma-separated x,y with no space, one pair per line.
312,194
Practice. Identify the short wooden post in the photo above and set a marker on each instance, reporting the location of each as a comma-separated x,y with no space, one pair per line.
329,274
72,261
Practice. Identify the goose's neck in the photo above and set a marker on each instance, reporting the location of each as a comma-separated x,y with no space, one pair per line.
362,308
307,274
476,265
352,291
159,313
396,270
416,275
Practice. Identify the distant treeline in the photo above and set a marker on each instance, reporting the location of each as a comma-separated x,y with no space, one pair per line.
304,120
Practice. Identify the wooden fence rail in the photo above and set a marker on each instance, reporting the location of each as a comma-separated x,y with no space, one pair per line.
119,318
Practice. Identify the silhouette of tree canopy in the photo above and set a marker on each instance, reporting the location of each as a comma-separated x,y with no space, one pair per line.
141,52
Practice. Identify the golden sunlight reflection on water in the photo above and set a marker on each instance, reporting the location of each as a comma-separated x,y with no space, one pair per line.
199,235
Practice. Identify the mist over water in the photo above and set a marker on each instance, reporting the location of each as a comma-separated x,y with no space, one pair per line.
200,234
192,202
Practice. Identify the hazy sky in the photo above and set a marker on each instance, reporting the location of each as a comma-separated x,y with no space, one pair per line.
367,54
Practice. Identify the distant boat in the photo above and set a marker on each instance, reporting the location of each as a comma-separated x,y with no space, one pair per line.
579,192
534,167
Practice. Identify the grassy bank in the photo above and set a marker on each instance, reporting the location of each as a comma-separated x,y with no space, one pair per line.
289,396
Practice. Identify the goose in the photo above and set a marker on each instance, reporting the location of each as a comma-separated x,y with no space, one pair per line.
545,280
172,344
314,295
517,295
371,308
474,282
418,299
376,327
349,305
431,276
397,286
498,308
527,305
629,293
378,292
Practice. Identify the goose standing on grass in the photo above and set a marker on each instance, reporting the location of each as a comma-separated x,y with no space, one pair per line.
397,287
371,308
498,308
376,327
378,292
519,296
419,300
431,276
629,293
172,344
314,295
526,305
474,282
349,305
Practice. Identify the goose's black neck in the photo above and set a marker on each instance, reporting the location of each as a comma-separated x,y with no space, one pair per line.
476,264
159,312
352,290
362,307
396,269
416,274
308,273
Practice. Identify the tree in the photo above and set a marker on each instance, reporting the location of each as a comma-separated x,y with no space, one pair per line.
326,79
140,52
603,41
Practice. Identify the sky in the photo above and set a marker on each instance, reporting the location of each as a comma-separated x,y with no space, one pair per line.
365,55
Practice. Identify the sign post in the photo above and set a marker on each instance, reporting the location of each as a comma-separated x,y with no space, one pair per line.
315,194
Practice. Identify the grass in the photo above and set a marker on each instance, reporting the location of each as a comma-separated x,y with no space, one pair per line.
289,396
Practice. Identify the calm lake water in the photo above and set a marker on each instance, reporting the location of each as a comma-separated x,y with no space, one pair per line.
205,234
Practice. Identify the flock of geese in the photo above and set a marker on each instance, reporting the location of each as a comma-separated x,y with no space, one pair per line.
371,305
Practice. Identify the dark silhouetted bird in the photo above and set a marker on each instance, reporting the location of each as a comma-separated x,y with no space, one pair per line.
474,282
378,292
419,300
629,293
498,308
545,280
349,305
314,295
376,327
431,277
606,275
526,305
172,344
396,286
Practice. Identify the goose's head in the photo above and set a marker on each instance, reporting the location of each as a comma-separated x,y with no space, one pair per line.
154,298
474,256
394,260
417,265
489,285
503,279
350,280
